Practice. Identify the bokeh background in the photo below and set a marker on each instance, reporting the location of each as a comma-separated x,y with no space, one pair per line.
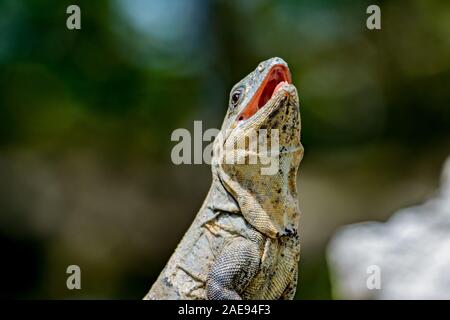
86,118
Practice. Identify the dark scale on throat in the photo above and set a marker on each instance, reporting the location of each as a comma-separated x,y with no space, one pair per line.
275,124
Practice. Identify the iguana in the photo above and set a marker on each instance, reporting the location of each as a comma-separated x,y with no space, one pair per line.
244,242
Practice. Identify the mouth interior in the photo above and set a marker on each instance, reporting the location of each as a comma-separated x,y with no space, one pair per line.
278,75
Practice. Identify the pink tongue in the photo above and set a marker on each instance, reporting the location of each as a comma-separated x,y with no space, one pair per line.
279,86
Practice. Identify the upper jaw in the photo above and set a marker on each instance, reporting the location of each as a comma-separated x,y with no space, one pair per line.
272,80
269,63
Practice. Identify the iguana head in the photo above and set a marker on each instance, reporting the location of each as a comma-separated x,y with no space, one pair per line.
263,124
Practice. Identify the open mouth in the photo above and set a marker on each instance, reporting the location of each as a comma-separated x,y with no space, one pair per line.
277,76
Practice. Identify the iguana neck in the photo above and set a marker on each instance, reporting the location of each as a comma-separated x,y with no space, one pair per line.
218,198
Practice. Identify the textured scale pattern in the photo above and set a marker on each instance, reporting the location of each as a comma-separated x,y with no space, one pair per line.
233,270
244,242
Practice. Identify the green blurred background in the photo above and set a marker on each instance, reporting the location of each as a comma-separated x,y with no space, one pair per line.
86,118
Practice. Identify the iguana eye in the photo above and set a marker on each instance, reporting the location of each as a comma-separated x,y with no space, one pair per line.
236,96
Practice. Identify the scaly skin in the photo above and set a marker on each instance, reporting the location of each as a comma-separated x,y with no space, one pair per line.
244,242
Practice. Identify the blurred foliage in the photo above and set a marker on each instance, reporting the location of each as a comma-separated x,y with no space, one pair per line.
139,69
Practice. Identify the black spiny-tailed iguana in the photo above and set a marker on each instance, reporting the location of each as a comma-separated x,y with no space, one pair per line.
244,241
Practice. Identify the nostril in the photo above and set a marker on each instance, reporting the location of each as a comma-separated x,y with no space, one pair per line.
241,118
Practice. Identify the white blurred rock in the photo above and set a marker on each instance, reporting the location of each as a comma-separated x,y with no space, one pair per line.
412,251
